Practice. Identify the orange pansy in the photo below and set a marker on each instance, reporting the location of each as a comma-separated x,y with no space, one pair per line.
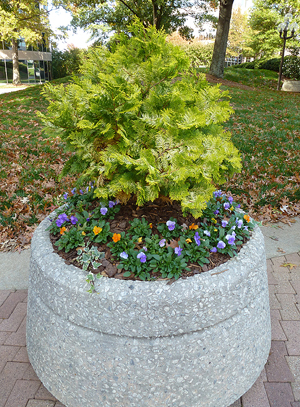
247,218
116,237
62,230
193,226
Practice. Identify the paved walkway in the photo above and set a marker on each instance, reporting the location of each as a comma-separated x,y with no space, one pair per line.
277,386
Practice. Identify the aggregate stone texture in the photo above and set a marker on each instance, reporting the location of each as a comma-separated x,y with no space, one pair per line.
201,341
14,359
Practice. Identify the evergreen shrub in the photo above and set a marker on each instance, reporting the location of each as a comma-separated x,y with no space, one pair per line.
291,68
272,64
143,124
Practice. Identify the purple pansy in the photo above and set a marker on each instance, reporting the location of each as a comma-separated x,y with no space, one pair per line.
81,191
216,212
197,239
213,249
226,206
103,210
207,233
224,223
171,225
245,227
65,195
145,248
221,245
230,199
178,250
111,204
142,257
231,239
124,255
74,220
162,242
239,223
217,194
73,191
61,219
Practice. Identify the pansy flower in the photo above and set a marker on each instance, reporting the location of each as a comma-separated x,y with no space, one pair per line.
221,245
62,230
74,220
178,250
142,257
226,206
171,225
247,218
103,210
217,194
61,219
97,230
224,223
124,255
207,233
116,237
111,204
239,223
197,239
213,249
193,226
231,239
162,242
65,195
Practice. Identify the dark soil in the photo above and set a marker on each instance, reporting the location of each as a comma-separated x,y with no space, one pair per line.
154,212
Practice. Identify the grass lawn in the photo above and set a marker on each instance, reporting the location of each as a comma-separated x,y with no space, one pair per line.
265,128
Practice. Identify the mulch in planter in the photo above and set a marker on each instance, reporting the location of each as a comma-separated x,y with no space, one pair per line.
155,212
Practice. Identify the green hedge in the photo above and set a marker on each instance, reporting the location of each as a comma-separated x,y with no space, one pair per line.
291,68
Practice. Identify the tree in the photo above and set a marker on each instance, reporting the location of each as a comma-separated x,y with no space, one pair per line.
264,19
239,34
101,16
23,19
218,59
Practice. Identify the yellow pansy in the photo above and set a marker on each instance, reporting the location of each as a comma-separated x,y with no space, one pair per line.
97,230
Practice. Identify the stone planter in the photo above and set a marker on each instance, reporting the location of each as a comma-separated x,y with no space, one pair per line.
201,341
291,86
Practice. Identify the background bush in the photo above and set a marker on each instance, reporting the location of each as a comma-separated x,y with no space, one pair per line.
291,68
68,62
199,53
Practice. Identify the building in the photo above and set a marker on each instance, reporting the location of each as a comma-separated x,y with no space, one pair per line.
35,62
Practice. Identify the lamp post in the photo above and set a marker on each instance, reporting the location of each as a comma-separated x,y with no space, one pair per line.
283,29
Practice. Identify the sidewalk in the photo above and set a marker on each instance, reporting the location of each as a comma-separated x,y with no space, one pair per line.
277,386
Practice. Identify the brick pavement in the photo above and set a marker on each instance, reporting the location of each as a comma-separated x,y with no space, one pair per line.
277,386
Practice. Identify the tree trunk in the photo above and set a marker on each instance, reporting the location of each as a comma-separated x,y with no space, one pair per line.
218,59
15,59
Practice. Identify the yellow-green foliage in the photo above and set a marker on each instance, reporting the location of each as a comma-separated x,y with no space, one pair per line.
143,123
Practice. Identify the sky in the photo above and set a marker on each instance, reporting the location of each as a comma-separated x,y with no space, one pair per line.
80,39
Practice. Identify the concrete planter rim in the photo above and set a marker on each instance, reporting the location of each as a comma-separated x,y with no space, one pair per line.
130,333
220,273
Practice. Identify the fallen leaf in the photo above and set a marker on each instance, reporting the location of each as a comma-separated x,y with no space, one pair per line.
289,265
